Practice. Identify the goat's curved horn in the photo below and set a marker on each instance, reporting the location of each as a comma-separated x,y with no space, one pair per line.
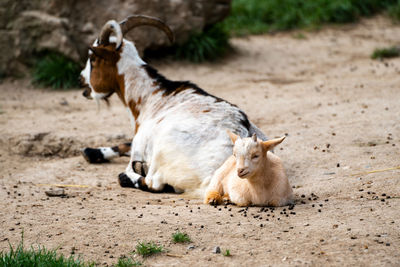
139,20
110,27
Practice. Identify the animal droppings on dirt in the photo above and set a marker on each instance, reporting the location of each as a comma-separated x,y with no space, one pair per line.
41,143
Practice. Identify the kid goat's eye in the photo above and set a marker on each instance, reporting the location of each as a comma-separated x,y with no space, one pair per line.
255,156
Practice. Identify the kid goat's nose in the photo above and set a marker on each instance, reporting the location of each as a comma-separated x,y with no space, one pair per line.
241,171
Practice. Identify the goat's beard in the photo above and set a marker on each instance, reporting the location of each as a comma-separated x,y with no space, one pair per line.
105,99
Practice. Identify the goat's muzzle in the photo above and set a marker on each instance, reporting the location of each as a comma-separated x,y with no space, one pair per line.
86,93
242,172
85,86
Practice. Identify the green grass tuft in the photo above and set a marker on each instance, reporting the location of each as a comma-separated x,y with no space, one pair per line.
56,71
208,45
22,257
227,253
179,237
389,52
260,16
127,262
147,249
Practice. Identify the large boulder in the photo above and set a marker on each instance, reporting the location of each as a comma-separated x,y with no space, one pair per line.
29,27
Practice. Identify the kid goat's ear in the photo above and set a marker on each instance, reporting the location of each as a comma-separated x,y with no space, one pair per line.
270,144
233,136
254,137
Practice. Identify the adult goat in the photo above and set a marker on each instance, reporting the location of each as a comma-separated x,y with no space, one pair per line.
179,129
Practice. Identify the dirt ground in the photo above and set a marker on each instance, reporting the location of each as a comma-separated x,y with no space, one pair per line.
340,109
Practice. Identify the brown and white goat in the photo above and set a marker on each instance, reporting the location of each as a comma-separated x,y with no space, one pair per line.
178,128
253,175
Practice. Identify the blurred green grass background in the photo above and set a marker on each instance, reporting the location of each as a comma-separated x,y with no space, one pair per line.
247,17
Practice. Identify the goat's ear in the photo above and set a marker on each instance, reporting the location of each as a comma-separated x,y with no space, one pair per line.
270,144
233,136
102,52
254,137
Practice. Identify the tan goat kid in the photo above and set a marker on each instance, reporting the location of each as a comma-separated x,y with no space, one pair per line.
253,175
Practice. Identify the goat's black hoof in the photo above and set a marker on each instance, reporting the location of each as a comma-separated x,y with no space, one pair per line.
93,155
125,181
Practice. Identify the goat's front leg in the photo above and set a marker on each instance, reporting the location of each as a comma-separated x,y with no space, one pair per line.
134,175
215,191
136,170
215,194
154,182
104,154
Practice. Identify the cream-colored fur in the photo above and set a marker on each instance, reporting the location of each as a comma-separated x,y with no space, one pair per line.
251,176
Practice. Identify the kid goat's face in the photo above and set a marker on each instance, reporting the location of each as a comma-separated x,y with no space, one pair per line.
250,153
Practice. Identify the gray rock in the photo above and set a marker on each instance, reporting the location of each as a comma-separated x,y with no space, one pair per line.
55,192
216,250
68,27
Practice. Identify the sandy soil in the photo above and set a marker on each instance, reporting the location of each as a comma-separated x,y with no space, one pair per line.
340,109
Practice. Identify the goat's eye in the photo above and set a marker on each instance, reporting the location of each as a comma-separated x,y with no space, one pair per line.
255,156
92,58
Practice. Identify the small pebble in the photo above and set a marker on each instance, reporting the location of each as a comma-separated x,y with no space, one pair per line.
55,192
216,250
